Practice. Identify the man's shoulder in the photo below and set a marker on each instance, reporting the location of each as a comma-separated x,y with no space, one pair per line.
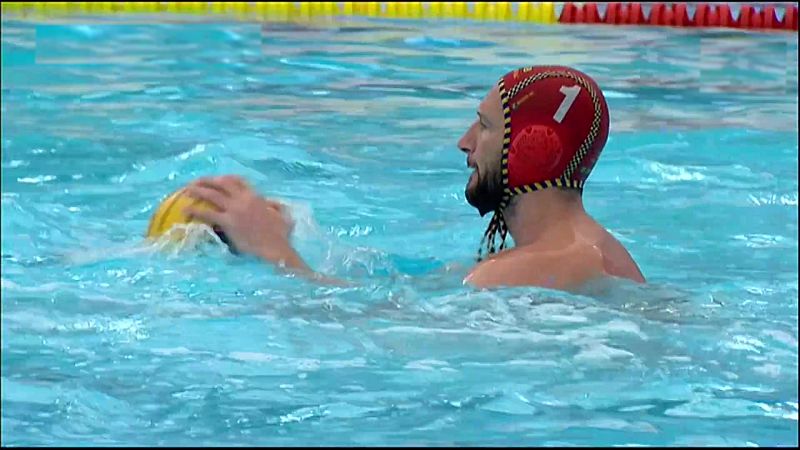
618,262
560,269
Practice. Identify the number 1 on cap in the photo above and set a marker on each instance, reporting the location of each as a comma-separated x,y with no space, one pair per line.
570,93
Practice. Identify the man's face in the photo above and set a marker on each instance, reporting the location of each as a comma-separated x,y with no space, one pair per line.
483,144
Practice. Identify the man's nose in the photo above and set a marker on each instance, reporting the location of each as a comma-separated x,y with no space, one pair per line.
467,142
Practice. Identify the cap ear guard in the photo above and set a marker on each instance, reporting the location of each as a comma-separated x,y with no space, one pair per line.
537,149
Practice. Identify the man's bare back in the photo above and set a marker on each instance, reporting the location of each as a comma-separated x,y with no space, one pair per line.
567,258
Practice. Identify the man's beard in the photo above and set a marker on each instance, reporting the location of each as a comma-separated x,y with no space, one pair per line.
486,194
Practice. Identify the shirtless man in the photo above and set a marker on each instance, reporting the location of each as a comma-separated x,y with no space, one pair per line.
538,134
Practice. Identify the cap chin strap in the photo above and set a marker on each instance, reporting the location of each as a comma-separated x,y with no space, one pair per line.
498,222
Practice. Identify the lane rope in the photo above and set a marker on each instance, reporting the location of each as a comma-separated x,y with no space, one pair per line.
751,16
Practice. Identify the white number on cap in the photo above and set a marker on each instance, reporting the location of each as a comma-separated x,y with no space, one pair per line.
570,94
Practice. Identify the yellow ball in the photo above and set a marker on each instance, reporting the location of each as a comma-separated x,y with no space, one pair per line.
170,213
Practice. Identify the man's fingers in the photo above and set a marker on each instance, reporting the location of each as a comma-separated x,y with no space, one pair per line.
274,205
210,195
228,184
206,215
236,182
214,183
232,184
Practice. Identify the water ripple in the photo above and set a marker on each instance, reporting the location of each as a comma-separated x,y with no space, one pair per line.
354,125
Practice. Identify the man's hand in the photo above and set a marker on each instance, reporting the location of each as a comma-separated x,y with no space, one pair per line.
252,223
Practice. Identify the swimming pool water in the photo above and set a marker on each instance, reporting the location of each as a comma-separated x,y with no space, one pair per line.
354,125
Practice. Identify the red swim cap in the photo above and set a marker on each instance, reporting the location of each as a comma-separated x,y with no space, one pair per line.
556,125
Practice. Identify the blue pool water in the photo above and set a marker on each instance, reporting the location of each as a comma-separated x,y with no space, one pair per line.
106,342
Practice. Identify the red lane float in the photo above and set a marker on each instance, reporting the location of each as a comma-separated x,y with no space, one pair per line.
678,15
